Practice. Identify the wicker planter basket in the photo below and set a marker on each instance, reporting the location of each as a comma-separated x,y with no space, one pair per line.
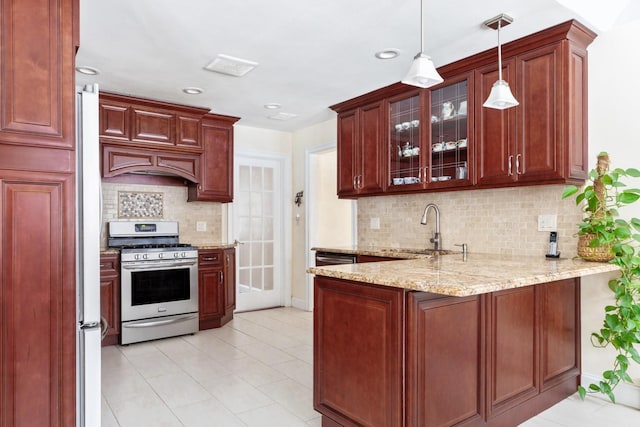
597,254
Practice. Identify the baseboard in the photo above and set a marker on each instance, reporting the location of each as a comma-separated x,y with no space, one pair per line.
299,303
626,394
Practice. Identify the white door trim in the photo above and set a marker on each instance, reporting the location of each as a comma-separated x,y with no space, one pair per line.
285,183
310,261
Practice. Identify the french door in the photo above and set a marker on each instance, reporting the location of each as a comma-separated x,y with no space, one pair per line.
257,224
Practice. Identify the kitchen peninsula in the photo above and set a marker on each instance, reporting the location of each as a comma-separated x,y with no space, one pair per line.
445,340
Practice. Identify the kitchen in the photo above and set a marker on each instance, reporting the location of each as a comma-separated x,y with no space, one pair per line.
605,108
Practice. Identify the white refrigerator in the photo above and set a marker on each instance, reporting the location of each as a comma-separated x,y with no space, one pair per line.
88,224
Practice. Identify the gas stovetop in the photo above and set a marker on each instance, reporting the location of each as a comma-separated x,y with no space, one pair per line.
149,241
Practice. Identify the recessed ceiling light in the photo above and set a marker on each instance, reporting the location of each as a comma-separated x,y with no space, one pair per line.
192,90
272,106
230,65
90,71
388,53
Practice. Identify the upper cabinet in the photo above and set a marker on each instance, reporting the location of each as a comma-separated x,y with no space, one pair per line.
443,138
150,123
159,138
361,150
216,174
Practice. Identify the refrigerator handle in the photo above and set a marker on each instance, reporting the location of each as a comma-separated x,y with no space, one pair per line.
105,327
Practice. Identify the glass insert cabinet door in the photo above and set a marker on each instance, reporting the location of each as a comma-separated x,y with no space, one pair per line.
449,134
405,141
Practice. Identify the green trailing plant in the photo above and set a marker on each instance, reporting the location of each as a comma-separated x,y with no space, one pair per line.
601,198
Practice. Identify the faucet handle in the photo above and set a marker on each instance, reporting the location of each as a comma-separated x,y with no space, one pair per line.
464,247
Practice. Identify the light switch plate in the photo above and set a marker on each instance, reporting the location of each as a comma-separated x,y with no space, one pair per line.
375,224
201,225
547,222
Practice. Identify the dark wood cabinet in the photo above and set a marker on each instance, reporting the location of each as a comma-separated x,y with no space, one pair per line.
444,360
495,359
37,213
513,359
216,175
361,133
216,283
110,296
148,123
541,141
358,347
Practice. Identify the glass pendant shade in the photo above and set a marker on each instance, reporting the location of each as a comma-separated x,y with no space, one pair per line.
422,72
500,97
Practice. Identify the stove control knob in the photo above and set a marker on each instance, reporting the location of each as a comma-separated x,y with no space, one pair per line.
160,255
144,256
136,256
183,254
175,254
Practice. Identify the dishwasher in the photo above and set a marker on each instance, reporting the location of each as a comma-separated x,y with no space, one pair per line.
332,258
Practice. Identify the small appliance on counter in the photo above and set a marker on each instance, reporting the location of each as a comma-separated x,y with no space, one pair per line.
159,280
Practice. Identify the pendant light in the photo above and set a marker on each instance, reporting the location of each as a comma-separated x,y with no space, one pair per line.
500,97
422,72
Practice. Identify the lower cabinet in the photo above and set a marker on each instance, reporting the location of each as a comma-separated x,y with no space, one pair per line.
495,359
110,297
216,287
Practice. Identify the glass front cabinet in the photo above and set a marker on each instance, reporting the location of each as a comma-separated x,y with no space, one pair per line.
430,134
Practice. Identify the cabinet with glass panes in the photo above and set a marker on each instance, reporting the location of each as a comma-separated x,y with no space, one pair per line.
450,145
407,165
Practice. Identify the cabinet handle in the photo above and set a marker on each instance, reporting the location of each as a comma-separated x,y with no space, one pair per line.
426,174
355,182
510,160
518,164
222,277
209,258
102,266
420,175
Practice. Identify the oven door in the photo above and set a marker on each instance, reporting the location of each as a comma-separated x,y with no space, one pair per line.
158,288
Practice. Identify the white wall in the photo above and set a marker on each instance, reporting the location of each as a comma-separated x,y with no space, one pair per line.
614,126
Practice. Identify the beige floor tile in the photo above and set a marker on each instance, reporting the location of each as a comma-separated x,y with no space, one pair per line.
271,416
178,389
144,410
117,387
106,415
297,370
237,394
153,364
208,413
254,372
202,368
266,353
293,396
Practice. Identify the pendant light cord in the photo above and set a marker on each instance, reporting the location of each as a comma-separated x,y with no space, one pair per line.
499,52
421,26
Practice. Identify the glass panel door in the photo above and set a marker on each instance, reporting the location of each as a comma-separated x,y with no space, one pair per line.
405,167
449,133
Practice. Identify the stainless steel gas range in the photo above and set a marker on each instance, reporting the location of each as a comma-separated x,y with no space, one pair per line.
159,280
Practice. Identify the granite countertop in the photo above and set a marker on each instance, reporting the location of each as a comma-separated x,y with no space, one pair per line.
380,251
454,276
216,246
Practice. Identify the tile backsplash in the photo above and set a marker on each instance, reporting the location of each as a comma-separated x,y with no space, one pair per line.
124,202
500,221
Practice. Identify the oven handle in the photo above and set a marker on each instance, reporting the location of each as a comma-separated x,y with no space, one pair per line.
150,265
159,322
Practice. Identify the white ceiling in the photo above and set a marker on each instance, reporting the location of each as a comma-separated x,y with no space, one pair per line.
311,54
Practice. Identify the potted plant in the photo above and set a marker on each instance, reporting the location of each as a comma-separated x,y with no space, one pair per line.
611,238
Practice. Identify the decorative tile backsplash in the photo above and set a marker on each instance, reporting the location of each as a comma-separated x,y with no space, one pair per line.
500,221
166,203
133,205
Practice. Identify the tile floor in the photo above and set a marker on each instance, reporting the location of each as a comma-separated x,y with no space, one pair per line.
254,371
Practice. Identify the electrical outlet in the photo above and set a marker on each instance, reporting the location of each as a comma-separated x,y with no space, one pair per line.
201,225
375,224
547,222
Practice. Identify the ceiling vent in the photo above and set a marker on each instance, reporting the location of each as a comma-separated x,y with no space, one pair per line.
230,66
283,116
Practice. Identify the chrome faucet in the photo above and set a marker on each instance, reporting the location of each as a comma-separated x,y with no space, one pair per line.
436,235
